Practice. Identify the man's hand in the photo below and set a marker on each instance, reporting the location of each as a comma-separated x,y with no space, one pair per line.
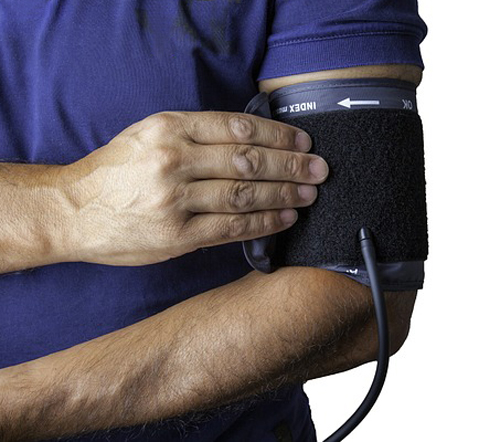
165,186
178,181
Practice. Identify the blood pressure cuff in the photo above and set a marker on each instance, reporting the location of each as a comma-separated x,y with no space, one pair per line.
370,134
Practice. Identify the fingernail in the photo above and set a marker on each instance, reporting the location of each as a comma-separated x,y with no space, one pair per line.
288,216
318,168
303,141
307,193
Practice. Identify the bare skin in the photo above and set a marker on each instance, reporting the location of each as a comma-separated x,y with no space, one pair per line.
227,344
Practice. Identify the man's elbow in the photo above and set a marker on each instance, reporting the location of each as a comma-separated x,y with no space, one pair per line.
340,320
399,304
361,345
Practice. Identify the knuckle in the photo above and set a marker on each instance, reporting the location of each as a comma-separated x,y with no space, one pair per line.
172,159
248,160
242,195
158,122
155,120
286,194
292,166
241,127
163,126
234,227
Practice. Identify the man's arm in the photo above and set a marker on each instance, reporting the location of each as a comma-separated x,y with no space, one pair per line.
252,335
230,343
33,228
399,304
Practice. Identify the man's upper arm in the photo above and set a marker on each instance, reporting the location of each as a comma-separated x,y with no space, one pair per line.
324,35
399,304
345,39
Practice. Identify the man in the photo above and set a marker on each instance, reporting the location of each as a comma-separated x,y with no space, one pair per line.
129,178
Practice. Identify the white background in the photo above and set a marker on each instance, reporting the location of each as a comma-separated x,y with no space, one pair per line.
444,384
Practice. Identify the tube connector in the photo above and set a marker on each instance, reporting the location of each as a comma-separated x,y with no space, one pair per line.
364,234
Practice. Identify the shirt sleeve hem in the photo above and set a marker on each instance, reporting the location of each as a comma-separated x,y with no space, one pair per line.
340,51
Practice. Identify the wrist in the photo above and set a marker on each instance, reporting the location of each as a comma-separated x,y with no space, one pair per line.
34,216
62,210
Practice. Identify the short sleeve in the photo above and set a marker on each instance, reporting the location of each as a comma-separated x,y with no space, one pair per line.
309,36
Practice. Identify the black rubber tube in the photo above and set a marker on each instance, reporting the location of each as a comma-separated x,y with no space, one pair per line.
369,256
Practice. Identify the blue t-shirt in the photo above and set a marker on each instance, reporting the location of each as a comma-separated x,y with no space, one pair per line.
74,74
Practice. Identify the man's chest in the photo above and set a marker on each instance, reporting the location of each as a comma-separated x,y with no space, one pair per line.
77,73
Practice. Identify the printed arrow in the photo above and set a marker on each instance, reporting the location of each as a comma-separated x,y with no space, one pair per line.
348,102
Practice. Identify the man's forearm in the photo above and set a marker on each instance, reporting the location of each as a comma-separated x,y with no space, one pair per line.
33,222
229,343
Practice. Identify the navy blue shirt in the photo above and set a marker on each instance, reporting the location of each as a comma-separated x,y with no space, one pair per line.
73,74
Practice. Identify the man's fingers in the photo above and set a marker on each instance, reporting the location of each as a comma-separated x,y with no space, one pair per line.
246,162
216,127
232,196
220,228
